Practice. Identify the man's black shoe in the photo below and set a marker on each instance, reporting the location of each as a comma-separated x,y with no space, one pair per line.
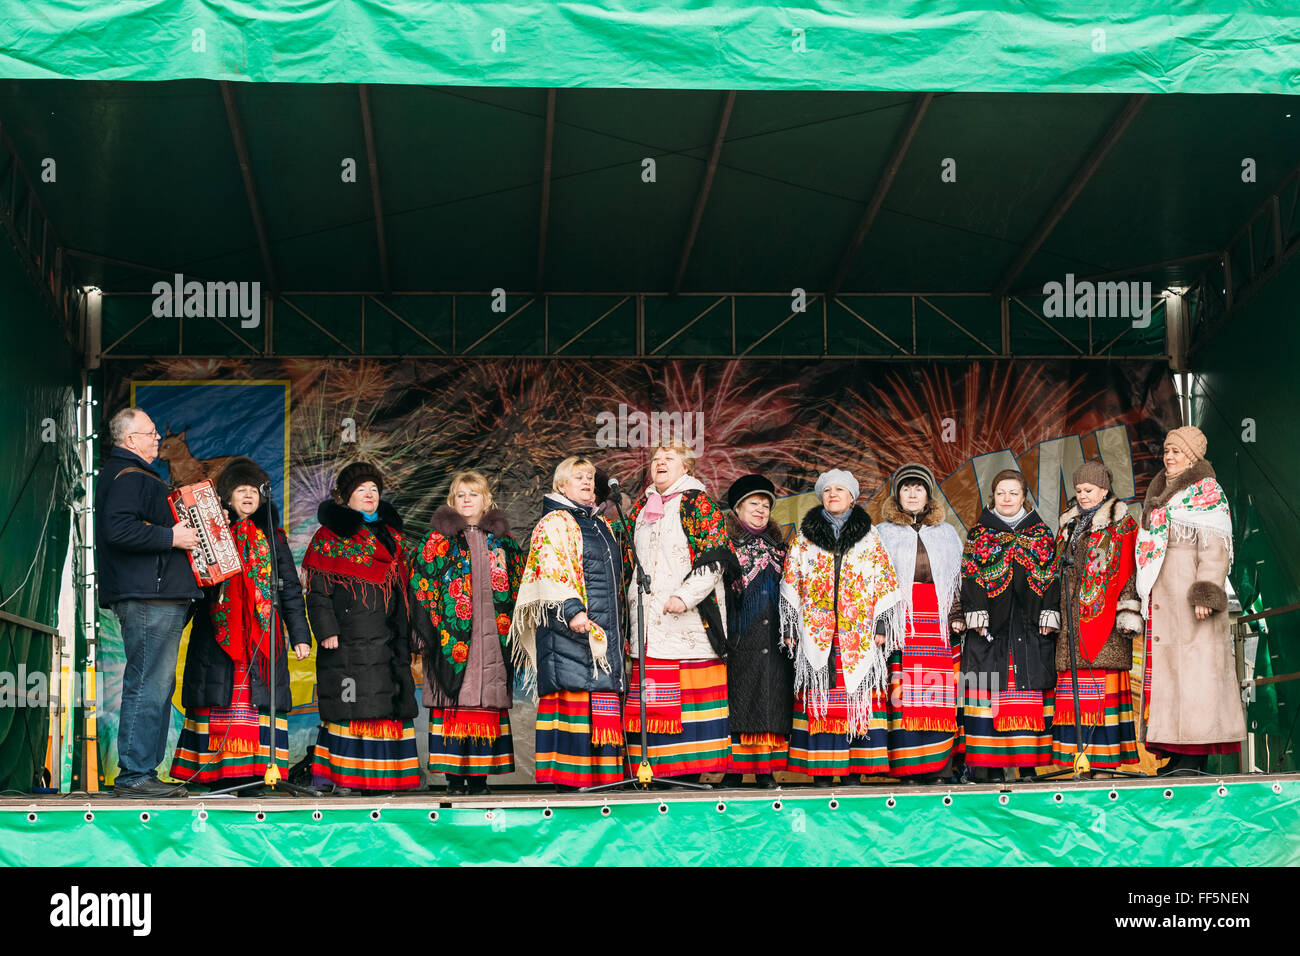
147,788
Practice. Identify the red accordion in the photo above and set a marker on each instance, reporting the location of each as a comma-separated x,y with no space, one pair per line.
216,557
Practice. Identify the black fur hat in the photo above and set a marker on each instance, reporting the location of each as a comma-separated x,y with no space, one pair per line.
353,475
240,471
748,485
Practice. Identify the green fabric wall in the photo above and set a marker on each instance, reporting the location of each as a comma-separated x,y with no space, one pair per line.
40,373
1246,374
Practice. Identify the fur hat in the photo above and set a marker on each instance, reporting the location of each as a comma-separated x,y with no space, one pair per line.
240,471
1190,440
838,476
913,471
748,485
1093,472
353,475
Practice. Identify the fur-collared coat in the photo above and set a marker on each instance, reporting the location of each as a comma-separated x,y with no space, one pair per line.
1195,697
356,590
840,591
1104,561
760,674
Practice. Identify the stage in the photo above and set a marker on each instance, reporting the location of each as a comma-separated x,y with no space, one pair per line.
1206,821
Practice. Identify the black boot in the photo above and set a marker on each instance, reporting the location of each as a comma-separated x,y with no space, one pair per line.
730,781
765,781
455,784
477,785
823,782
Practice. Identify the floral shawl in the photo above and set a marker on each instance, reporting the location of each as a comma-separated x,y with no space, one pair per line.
361,557
1201,506
442,586
815,614
241,610
553,575
1107,566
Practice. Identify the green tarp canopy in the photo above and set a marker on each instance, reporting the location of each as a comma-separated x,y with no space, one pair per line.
1143,46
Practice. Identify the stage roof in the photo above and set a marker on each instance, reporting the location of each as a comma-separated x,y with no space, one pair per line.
1114,46
476,189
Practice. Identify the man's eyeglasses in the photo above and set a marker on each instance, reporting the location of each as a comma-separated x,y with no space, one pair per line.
152,434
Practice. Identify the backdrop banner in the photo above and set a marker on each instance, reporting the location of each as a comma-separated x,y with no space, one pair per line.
515,419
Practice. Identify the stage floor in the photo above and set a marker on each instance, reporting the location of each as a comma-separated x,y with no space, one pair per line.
1206,821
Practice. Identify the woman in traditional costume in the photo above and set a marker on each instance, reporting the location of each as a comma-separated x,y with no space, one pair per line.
1011,599
760,673
464,581
839,603
357,575
568,634
226,691
1100,607
1191,698
926,553
681,542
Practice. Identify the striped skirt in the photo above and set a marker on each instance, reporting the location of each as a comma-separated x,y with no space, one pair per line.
704,744
832,754
469,756
346,759
566,757
196,762
758,755
1109,743
986,746
923,733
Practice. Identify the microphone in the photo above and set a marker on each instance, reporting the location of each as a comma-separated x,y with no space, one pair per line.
613,485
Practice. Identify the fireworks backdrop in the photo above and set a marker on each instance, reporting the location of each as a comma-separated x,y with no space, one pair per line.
422,420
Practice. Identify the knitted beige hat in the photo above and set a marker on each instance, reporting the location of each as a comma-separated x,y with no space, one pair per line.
1094,473
1190,440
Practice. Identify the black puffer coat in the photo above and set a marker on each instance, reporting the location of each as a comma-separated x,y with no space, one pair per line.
760,674
209,679
374,651
564,656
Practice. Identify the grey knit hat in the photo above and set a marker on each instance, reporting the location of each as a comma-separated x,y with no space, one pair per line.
838,476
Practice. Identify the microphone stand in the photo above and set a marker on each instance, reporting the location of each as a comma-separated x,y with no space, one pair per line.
1081,763
272,778
644,776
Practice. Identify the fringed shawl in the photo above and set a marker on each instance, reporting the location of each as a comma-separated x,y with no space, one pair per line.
815,612
942,546
553,575
1190,505
358,557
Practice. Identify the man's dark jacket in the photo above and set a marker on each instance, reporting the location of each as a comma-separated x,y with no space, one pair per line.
133,536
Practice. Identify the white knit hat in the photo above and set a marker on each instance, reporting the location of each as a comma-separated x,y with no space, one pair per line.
838,476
